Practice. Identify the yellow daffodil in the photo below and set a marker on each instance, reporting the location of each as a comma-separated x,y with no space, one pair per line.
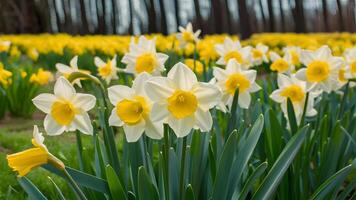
4,75
235,77
322,69
132,110
25,161
294,89
143,57
107,71
66,110
181,101
4,46
42,77
198,67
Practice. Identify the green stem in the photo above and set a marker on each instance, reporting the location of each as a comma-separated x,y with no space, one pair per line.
79,150
166,157
304,111
344,98
233,113
182,169
76,188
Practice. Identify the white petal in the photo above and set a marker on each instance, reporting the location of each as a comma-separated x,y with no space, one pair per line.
306,56
244,100
284,80
134,132
114,120
139,82
274,56
181,127
323,53
275,96
74,62
44,102
52,127
219,74
208,95
64,89
159,88
301,74
182,76
162,58
254,87
83,124
98,62
119,92
84,101
159,112
203,120
154,130
251,75
64,69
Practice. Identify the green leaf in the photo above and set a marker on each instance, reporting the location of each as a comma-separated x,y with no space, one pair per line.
291,117
82,179
224,168
114,184
331,183
275,175
60,194
32,191
146,189
251,181
189,193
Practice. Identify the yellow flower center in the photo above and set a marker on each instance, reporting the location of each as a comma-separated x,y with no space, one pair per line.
105,70
188,36
280,65
353,67
182,104
294,57
342,77
294,92
63,112
235,81
234,55
132,111
257,53
317,71
146,63
23,162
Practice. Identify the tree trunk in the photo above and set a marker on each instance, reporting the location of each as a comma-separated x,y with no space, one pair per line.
244,19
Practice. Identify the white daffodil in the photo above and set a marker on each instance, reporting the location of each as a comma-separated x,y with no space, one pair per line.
181,101
233,50
350,58
4,46
132,110
187,35
142,57
292,54
258,54
234,77
38,138
295,90
65,70
66,110
107,71
280,64
322,69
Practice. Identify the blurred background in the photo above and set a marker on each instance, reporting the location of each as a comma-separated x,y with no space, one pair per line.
243,17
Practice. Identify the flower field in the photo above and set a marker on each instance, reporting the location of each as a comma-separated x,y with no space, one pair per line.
181,116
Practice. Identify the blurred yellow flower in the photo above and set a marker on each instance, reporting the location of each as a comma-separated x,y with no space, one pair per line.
42,77
198,68
4,75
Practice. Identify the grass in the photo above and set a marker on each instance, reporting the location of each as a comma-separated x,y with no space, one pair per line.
15,136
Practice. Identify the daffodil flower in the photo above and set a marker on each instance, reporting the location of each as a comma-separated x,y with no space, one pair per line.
294,89
107,71
4,46
66,71
66,110
132,110
233,50
350,58
181,101
187,35
142,57
235,77
24,161
292,54
322,69
280,64
258,54
4,75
